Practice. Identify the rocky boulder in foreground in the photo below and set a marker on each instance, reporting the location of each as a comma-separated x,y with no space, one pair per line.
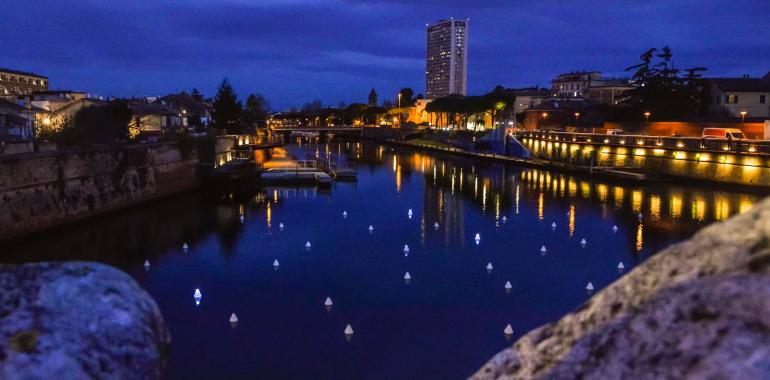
697,310
77,320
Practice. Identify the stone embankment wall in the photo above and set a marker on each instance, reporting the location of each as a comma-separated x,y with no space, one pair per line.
47,189
697,310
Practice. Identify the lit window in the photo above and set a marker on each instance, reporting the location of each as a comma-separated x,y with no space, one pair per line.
731,99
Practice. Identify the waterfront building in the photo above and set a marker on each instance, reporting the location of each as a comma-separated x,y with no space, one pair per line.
590,85
740,97
53,100
14,83
152,118
574,84
557,113
446,64
526,98
193,110
17,122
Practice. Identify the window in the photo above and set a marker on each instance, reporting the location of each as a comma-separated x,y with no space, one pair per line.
762,99
731,99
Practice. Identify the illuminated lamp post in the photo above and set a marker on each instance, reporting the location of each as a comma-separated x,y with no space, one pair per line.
743,116
647,116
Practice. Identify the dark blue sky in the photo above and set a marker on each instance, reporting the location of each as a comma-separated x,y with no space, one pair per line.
294,51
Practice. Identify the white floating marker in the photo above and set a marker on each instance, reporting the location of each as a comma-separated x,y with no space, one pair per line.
640,216
477,239
307,245
275,263
233,319
146,263
185,247
489,267
349,330
508,330
553,226
197,296
614,229
543,250
328,303
371,228
409,213
242,219
280,226
344,214
504,219
590,287
621,266
435,226
406,248
508,286
583,242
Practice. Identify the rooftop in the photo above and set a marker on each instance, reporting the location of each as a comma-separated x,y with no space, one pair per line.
18,72
742,84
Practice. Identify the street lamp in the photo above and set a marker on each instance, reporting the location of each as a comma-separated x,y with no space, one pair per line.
545,114
743,116
647,116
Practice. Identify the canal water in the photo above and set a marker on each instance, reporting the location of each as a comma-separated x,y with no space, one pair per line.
444,323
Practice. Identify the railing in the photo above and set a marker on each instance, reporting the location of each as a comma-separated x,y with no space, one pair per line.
759,147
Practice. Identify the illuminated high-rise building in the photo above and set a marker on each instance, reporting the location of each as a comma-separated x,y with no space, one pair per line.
446,64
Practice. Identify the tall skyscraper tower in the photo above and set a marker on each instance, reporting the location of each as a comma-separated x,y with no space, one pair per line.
446,64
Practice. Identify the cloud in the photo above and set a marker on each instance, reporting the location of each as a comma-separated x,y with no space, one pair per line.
296,50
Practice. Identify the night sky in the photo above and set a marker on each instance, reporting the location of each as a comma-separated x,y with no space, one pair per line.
294,51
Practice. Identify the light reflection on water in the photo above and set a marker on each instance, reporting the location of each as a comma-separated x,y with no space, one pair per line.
444,324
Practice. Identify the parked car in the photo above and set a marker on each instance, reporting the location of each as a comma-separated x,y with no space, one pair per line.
615,131
723,133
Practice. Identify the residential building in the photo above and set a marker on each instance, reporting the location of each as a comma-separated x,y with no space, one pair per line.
152,118
17,122
446,65
740,97
574,84
58,106
193,111
56,119
608,91
590,85
14,83
52,100
529,97
557,113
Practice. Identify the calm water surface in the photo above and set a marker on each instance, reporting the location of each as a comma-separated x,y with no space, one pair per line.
445,323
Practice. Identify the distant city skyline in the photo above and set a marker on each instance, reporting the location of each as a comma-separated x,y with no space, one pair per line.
294,51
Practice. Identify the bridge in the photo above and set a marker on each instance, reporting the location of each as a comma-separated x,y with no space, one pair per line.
318,129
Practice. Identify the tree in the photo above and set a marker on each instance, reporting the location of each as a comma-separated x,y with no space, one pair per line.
406,97
313,107
660,90
227,109
101,124
255,113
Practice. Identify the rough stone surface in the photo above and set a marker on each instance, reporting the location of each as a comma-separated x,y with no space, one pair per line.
696,310
78,320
